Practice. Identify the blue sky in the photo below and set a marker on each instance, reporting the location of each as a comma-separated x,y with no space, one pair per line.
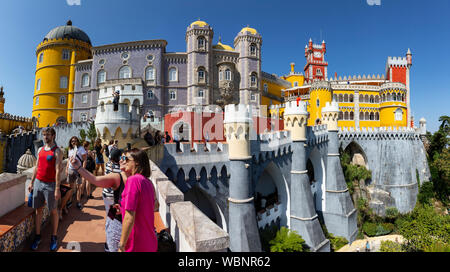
359,37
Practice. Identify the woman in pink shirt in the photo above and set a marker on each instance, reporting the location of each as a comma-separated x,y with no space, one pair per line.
137,205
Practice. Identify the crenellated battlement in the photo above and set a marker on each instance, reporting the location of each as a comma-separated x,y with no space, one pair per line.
291,108
380,133
397,61
7,116
316,135
238,114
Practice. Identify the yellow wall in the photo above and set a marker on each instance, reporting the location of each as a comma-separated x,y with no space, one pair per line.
315,112
273,89
293,78
49,72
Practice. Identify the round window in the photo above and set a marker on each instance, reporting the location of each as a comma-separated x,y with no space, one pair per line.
125,55
150,57
101,62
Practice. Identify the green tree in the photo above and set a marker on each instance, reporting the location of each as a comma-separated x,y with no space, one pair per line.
92,133
445,125
288,241
425,230
83,135
390,246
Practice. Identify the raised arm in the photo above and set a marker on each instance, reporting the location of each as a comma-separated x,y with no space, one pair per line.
112,180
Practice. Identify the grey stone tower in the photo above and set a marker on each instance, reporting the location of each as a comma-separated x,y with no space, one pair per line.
243,228
339,213
248,43
303,218
199,36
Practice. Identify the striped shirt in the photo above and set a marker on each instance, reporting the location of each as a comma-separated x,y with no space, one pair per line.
110,168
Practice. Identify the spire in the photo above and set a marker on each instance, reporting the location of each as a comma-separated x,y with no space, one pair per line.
220,39
69,23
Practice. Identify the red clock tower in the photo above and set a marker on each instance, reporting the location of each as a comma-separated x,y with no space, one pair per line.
316,67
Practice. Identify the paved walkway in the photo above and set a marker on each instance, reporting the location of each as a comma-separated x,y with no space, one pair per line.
375,243
81,230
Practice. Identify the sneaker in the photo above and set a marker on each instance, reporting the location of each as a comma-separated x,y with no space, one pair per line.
36,242
54,243
106,247
79,206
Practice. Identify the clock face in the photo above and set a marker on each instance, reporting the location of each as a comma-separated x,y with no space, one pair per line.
317,54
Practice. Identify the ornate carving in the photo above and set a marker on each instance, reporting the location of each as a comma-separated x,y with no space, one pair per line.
226,93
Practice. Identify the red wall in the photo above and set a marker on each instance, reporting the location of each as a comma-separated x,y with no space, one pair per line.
200,123
399,74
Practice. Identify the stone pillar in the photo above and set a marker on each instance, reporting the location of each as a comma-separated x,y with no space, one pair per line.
303,217
243,230
338,212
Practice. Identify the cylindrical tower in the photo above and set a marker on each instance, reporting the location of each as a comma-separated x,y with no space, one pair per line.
320,94
393,108
244,235
53,77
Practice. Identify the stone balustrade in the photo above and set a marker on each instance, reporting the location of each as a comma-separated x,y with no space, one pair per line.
268,215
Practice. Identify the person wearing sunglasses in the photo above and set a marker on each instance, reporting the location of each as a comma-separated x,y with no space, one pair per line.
137,203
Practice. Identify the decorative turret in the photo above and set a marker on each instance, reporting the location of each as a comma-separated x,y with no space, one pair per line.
330,115
237,125
316,67
423,126
295,119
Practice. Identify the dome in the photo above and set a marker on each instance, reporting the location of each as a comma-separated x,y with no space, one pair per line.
422,120
249,29
199,23
25,162
68,31
222,46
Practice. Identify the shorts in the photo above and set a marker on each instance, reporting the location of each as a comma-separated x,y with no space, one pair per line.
72,176
44,192
108,202
99,160
113,229
64,189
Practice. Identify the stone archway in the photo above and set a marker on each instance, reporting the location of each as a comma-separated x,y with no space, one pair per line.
357,154
317,175
272,202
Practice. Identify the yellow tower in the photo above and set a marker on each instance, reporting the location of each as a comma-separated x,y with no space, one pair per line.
56,56
320,94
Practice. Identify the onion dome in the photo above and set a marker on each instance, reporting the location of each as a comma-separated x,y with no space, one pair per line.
199,23
27,161
69,32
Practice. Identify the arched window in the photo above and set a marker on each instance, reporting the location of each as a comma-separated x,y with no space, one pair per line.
372,99
38,84
201,74
295,83
62,99
149,73
173,76
377,116
377,99
172,95
201,93
221,75
335,98
266,88
201,44
388,97
361,116
394,97
101,76
351,98
227,74
372,116
366,98
253,49
37,100
65,54
125,72
85,80
361,98
41,57
346,115
63,82
345,97
341,99
150,94
352,115
366,116
340,116
253,80
398,114
318,102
